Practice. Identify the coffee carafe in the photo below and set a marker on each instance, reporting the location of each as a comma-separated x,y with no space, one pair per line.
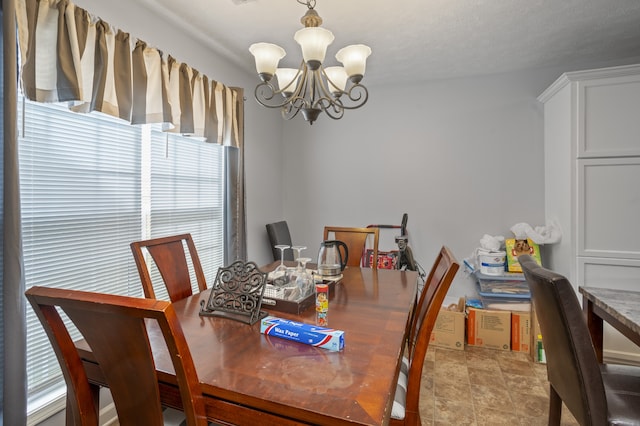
331,261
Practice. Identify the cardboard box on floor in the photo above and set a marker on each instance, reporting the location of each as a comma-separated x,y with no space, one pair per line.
521,331
488,328
448,331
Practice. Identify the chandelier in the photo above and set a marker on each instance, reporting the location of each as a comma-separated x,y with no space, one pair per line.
312,88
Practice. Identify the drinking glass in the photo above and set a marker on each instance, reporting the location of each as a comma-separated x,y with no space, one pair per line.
304,280
299,250
280,273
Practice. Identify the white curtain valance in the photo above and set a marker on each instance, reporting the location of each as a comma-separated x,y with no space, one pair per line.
67,55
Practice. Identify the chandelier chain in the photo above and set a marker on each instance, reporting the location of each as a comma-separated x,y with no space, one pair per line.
309,3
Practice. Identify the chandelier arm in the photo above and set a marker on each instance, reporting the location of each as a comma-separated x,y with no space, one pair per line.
291,110
358,95
266,92
323,97
333,108
323,84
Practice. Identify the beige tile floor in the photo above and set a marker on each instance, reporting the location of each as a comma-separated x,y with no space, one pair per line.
480,386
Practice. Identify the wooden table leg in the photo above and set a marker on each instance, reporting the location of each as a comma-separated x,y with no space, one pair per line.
595,325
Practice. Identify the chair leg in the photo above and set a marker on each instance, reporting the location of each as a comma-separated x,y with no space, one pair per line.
555,407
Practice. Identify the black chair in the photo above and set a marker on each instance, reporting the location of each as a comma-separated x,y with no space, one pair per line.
596,394
278,233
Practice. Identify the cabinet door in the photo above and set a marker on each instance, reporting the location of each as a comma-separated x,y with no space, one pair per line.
608,117
608,201
621,274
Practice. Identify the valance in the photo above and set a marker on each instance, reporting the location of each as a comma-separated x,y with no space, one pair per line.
68,55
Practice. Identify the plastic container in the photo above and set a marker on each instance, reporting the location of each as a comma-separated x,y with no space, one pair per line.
492,263
322,305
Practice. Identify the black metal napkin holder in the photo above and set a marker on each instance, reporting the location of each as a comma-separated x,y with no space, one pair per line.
237,293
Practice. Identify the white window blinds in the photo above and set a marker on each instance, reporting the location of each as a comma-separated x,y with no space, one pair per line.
90,185
182,200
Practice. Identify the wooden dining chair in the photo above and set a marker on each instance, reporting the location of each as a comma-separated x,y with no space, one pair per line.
356,241
168,254
115,329
596,394
405,410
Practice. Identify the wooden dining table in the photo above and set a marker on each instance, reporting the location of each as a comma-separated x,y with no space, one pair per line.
619,308
250,378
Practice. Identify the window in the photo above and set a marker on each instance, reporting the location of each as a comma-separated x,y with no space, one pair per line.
90,185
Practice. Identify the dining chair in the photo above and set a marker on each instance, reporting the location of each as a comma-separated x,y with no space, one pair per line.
356,241
115,328
405,409
168,254
596,394
279,234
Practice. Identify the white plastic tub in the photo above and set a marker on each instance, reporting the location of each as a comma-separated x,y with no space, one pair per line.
492,263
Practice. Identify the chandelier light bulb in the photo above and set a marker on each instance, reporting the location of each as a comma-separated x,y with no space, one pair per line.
337,79
286,81
354,59
314,42
267,56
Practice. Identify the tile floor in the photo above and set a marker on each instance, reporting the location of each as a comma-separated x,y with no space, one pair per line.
480,386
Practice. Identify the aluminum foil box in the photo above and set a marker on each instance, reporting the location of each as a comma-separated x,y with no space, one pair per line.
322,337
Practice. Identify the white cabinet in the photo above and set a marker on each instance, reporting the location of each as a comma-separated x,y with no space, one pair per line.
592,182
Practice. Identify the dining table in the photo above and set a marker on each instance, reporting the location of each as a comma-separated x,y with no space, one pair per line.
619,308
250,378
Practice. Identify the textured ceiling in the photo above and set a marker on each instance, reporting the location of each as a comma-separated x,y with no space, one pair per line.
423,39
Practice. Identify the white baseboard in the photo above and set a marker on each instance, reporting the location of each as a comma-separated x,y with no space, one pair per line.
109,416
620,357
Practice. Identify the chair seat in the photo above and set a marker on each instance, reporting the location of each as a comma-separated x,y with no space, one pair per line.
622,387
400,398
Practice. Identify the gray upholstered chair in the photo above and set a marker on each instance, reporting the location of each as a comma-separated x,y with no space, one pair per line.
278,233
596,394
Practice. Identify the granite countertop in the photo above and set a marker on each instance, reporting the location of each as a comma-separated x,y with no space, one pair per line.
623,305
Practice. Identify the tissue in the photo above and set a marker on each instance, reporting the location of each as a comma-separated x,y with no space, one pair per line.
548,234
490,244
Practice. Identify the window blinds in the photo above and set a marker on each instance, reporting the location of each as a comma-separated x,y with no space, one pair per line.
90,185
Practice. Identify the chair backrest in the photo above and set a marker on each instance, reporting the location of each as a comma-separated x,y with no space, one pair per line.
356,241
278,233
114,327
168,254
572,366
424,318
445,266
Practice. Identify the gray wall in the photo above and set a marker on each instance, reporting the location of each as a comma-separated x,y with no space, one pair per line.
462,157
